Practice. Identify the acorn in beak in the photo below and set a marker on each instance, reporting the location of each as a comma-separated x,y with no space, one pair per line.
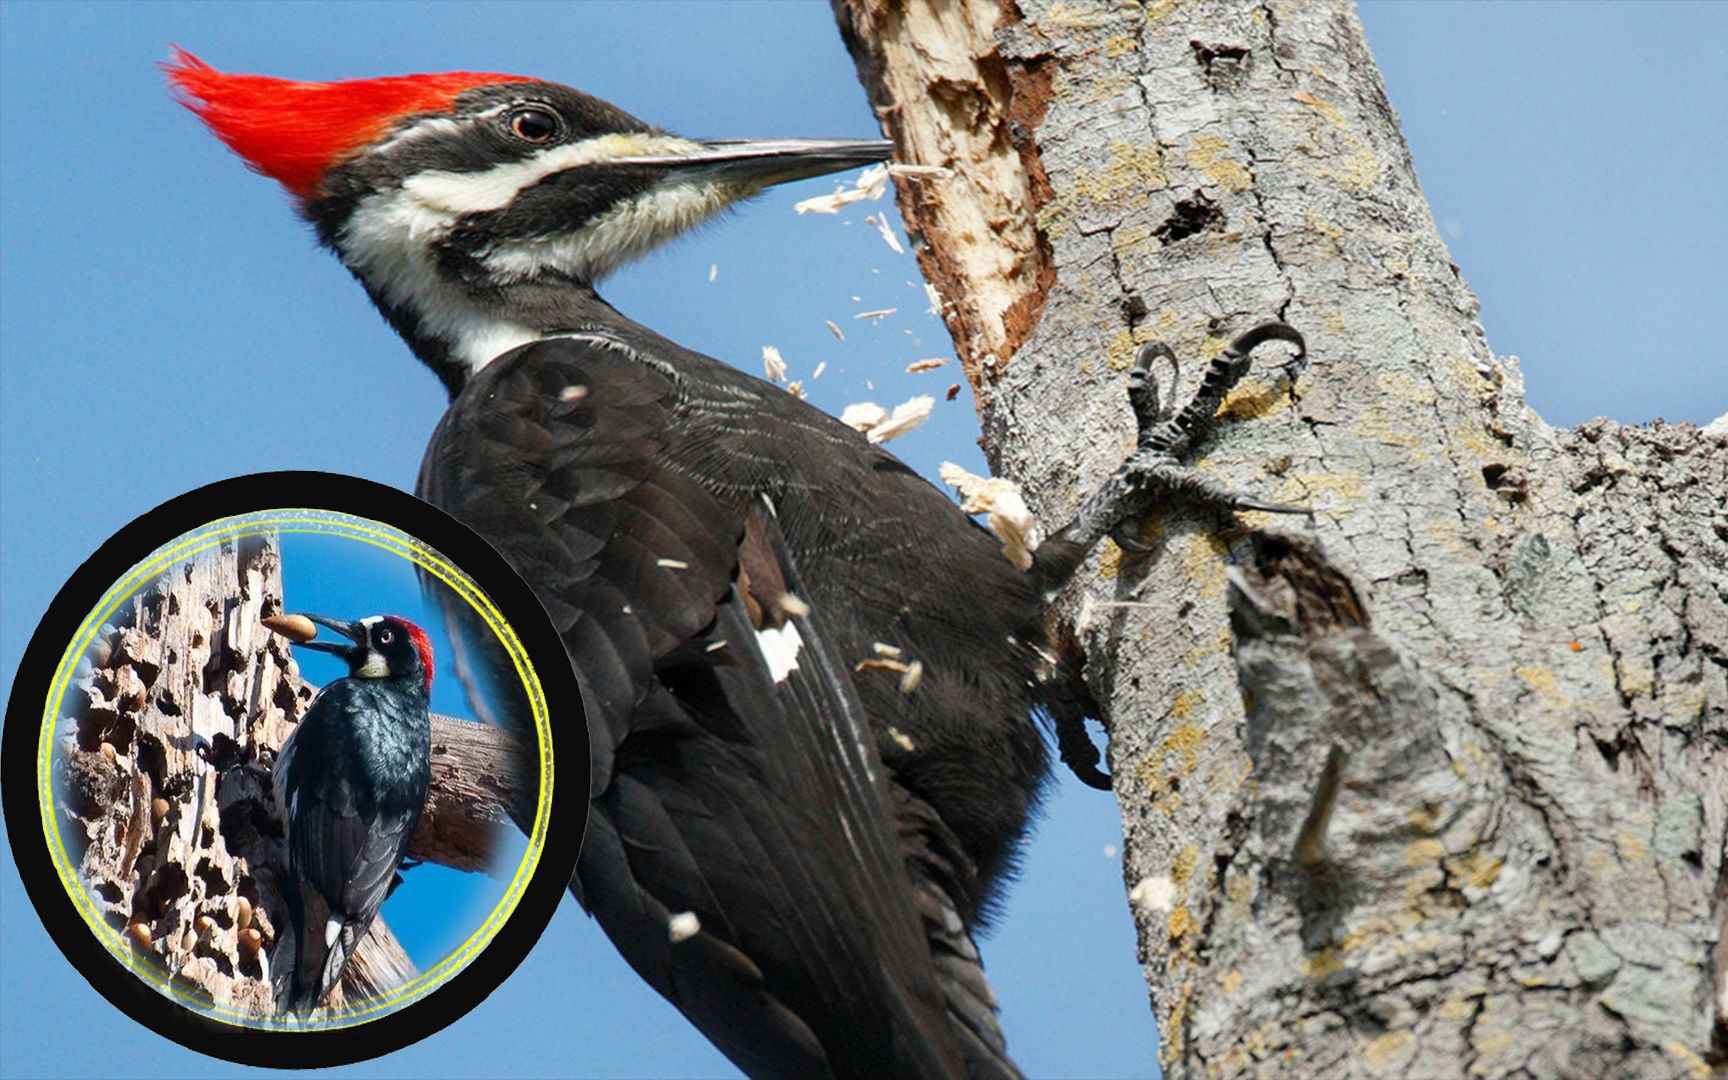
300,630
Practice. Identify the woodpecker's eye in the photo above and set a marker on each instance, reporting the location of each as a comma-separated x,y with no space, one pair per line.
386,636
534,125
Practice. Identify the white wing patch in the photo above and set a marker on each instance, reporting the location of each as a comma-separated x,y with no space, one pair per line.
332,930
780,647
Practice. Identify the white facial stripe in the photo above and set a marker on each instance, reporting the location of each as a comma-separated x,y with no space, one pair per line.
375,667
371,620
614,238
390,237
388,242
474,192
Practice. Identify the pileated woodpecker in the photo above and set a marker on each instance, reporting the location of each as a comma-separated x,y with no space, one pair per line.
792,855
350,781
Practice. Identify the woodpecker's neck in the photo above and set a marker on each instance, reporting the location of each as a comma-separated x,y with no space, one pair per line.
457,332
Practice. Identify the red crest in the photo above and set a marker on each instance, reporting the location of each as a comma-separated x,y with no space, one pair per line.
421,642
294,131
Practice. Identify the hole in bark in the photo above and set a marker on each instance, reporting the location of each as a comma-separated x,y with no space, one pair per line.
223,967
214,878
1224,65
1134,309
1191,215
1508,481
1609,751
169,882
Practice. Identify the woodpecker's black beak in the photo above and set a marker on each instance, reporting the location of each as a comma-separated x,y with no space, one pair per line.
353,631
761,163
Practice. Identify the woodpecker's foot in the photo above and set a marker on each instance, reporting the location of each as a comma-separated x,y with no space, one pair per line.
1155,473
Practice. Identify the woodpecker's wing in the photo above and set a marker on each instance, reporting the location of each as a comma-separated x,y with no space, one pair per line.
341,843
741,851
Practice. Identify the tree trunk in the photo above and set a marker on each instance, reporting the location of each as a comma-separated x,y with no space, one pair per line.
1434,782
181,847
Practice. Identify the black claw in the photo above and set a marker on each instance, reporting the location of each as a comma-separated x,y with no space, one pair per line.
1249,340
1124,535
1245,502
1143,395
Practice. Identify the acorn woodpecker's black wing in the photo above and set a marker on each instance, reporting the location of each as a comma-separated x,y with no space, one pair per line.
741,849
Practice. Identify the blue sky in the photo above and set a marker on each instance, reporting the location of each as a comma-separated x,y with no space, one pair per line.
165,322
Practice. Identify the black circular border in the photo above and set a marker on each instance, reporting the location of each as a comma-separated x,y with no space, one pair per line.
309,1048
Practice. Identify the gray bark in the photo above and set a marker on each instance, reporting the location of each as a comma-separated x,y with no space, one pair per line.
181,851
1434,783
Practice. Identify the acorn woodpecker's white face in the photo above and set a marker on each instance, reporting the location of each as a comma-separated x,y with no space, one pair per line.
391,646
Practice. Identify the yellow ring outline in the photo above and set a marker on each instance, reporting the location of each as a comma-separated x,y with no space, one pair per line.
325,523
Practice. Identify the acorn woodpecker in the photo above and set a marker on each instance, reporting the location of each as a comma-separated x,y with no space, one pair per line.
810,677
350,781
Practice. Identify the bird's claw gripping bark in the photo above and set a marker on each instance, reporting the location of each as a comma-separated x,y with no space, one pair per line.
1155,471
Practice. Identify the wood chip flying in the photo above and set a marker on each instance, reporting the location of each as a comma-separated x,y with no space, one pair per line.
953,392
871,183
713,271
882,663
888,235
878,425
820,368
829,323
862,416
877,314
925,365
773,364
914,675
796,388
1006,513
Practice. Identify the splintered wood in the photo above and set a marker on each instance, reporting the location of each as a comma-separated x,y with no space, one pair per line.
1006,513
166,838
878,425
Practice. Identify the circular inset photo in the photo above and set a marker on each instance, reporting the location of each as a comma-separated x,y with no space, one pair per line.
305,766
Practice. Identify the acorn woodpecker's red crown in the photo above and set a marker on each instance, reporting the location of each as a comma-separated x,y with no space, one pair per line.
294,131
421,643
